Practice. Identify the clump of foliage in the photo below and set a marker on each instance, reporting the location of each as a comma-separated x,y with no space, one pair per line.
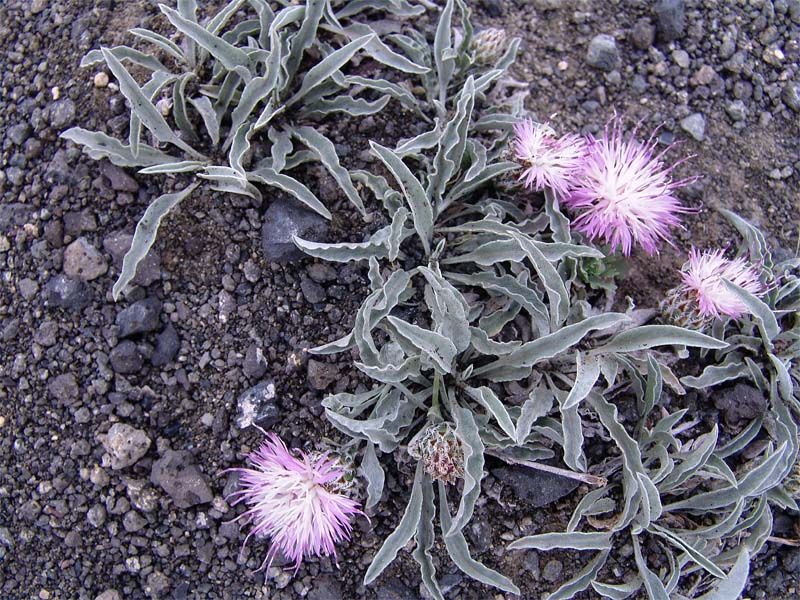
244,90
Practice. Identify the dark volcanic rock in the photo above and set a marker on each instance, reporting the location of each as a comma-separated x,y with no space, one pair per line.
167,346
535,488
66,292
740,404
283,220
670,19
126,359
179,477
139,317
257,406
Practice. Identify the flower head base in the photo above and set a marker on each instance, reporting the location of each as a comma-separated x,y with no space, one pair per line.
295,501
703,295
439,449
624,193
489,44
548,161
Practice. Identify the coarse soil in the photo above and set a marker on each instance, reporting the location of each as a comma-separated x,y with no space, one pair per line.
73,527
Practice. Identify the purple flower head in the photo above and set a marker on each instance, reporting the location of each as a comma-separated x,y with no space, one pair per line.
624,194
702,280
548,161
295,502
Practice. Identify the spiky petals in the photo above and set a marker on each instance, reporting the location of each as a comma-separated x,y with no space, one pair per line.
624,193
293,501
703,280
547,160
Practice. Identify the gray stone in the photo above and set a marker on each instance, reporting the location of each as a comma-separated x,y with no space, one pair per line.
321,272
681,58
602,53
64,388
66,292
27,288
142,496
670,19
314,293
124,445
110,594
321,375
76,222
552,570
19,134
643,34
62,113
283,220
126,359
167,346
96,516
794,10
133,521
257,406
140,317
13,215
84,261
533,487
695,126
119,180
736,110
255,365
45,335
791,96
326,587
176,473
740,404
394,589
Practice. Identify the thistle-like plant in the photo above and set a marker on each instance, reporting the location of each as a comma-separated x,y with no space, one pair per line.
240,87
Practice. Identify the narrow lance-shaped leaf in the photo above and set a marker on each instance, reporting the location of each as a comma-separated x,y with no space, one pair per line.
650,336
418,201
145,235
424,539
404,532
467,432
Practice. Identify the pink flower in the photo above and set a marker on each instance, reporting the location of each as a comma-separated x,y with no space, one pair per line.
624,193
548,161
295,502
702,280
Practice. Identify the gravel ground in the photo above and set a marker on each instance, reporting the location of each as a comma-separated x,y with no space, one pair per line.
117,421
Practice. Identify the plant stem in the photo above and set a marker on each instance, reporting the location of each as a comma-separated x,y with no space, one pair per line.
595,480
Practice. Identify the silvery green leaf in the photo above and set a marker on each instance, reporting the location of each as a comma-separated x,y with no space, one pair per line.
767,322
556,290
383,428
399,8
145,235
784,378
753,483
239,148
203,106
692,461
587,374
617,591
243,30
122,53
292,186
489,400
373,472
396,91
448,309
226,179
452,144
538,404
255,90
188,10
355,107
650,336
326,152
143,107
392,373
731,368
281,147
424,539
397,232
326,67
150,90
586,505
654,586
758,250
159,40
414,146
573,541
467,432
231,57
494,121
554,344
651,507
458,551
347,251
439,348
654,386
477,159
225,94
733,585
99,146
443,53
381,52
693,553
741,440
305,36
509,56
418,201
489,254
184,166
582,580
219,20
483,82
491,171
559,223
572,431
404,532
179,106
493,323
485,345
509,287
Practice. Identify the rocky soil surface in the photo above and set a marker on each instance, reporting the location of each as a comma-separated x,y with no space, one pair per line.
118,421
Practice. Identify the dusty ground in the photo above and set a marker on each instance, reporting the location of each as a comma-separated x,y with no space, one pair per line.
72,527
